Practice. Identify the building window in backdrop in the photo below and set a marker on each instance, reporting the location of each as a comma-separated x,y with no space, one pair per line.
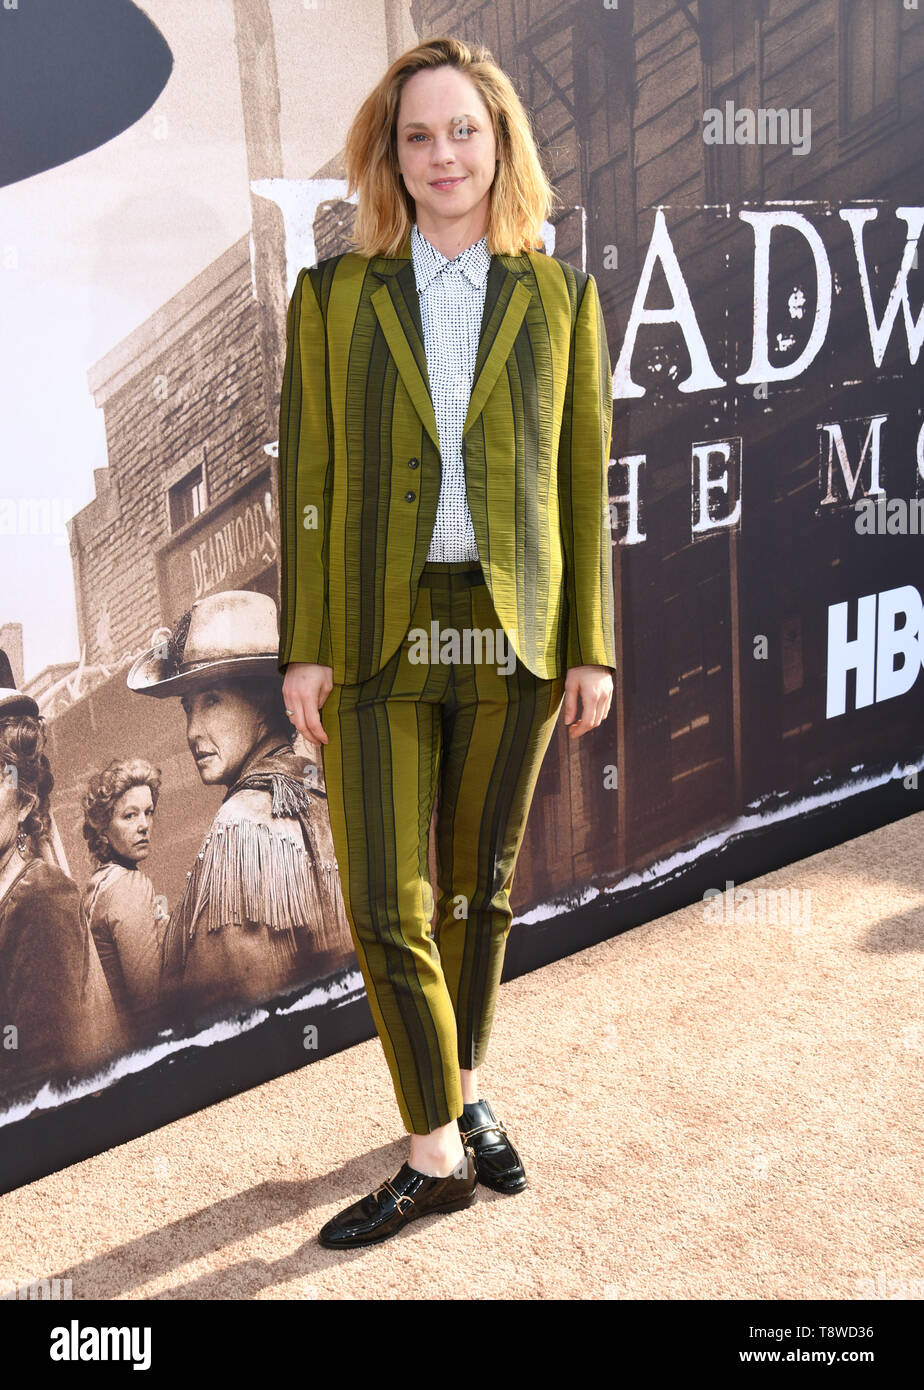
729,32
187,499
868,42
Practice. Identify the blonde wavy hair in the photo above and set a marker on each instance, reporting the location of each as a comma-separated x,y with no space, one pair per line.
521,196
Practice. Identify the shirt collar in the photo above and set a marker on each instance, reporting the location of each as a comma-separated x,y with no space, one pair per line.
474,261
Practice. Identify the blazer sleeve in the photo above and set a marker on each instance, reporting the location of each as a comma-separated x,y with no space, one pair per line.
583,461
305,481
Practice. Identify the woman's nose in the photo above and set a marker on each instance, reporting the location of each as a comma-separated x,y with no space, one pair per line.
444,147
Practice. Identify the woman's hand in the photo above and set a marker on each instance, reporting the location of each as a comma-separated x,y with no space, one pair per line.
594,684
305,688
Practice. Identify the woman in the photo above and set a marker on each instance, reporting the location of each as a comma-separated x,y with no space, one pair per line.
445,426
56,1012
119,905
261,913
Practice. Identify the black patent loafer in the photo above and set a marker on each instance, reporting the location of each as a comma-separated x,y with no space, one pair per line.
399,1200
497,1162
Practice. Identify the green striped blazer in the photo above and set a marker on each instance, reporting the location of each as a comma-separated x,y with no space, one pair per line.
359,462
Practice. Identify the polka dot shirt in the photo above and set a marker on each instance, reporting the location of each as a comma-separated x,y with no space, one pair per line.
452,294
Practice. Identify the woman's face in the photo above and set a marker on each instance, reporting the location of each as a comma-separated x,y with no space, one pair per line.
444,131
222,728
129,829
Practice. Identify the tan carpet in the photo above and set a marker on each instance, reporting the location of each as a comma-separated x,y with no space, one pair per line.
706,1109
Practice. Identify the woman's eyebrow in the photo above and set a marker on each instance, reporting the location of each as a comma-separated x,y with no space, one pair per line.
422,125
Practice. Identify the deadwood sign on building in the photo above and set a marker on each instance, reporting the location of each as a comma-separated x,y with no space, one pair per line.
743,181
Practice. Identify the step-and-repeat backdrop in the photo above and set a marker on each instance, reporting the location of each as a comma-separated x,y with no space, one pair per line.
742,180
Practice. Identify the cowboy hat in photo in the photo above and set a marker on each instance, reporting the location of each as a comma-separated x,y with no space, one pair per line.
223,636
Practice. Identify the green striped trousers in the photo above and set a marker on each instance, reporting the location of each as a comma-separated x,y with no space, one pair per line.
454,722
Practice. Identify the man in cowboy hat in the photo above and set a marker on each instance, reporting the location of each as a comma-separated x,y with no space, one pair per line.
262,910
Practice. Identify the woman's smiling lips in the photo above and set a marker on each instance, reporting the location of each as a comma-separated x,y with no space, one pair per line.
445,183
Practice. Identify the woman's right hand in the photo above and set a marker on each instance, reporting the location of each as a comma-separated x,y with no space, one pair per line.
305,687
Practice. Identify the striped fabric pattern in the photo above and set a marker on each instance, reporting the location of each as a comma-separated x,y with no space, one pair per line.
480,736
359,462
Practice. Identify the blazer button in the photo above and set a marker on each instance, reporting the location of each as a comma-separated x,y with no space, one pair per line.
413,463
409,496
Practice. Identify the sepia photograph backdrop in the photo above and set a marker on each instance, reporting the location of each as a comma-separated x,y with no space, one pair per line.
743,180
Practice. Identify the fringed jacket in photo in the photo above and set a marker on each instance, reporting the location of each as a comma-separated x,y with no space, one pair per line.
262,908
359,462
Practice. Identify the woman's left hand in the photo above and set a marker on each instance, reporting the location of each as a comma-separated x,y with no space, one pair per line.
594,684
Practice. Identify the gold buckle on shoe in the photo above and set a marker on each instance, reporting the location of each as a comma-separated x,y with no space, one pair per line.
480,1129
399,1197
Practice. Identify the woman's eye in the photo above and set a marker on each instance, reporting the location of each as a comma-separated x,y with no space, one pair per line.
459,133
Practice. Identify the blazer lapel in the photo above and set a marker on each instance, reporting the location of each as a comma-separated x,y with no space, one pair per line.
397,307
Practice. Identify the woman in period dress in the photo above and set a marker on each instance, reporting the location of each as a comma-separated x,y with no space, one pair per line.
120,907
57,1017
